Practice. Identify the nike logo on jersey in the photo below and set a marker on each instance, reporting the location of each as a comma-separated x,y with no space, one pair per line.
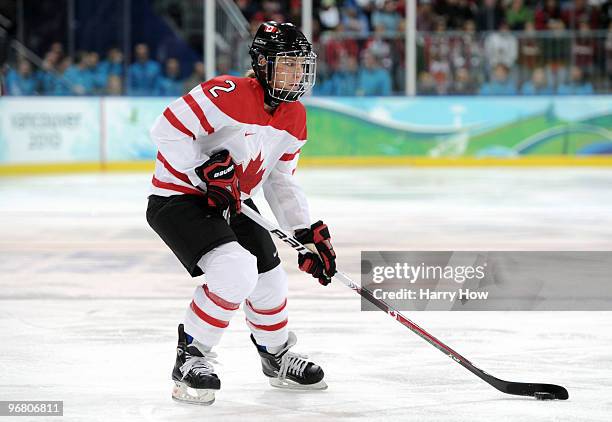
249,134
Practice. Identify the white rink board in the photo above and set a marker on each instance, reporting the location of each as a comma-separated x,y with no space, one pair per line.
49,130
90,299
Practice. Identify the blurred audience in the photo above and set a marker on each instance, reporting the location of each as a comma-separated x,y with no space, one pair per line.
170,83
198,76
345,81
584,47
114,85
329,15
337,47
500,83
355,21
530,49
59,83
488,47
380,47
490,15
456,12
426,18
501,47
426,84
143,73
548,15
518,14
79,76
579,11
465,49
21,81
373,80
463,83
577,85
269,10
538,85
385,16
112,65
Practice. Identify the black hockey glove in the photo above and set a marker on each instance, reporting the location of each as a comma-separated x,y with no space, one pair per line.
321,265
222,184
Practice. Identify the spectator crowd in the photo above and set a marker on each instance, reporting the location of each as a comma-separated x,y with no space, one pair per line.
464,47
60,74
467,47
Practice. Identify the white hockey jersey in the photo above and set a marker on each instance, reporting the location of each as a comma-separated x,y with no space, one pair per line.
227,112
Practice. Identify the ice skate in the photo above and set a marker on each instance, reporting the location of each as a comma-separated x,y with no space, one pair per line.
290,370
194,378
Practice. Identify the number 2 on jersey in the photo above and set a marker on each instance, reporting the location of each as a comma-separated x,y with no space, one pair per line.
230,88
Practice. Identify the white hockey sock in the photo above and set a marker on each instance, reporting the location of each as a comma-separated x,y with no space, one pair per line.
231,275
266,309
275,349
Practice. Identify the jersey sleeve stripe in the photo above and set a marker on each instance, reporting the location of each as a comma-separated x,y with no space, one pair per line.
174,121
273,327
197,110
177,188
182,176
289,157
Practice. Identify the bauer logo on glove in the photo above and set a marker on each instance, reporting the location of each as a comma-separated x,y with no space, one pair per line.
222,184
321,263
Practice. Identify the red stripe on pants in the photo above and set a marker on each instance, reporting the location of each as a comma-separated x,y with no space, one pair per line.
207,318
267,311
219,301
273,327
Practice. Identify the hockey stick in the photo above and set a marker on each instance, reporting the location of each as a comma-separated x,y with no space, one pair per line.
540,391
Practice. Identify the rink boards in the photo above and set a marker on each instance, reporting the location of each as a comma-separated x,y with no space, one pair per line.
70,134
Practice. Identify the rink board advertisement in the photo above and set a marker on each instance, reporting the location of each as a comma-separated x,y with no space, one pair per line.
56,130
44,130
460,126
488,281
127,122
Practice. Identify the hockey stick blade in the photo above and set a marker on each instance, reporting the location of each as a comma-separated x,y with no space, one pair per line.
548,391
526,389
508,387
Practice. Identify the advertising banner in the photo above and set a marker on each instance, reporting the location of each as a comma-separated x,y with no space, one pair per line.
459,126
127,123
49,130
116,129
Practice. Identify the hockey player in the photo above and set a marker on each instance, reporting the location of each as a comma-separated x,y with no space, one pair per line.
217,146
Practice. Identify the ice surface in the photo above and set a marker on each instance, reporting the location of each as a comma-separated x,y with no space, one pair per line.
90,299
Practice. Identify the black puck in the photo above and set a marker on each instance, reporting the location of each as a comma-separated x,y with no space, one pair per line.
540,395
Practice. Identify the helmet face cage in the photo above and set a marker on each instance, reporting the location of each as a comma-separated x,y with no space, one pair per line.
290,74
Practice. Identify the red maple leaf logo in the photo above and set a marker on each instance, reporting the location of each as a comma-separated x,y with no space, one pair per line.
251,175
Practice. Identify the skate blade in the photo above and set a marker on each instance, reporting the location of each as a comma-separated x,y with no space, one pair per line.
292,385
185,394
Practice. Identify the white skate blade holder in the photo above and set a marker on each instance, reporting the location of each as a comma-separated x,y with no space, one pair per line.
184,394
287,384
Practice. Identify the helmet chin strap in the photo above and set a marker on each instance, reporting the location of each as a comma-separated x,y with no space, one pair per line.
262,79
268,100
